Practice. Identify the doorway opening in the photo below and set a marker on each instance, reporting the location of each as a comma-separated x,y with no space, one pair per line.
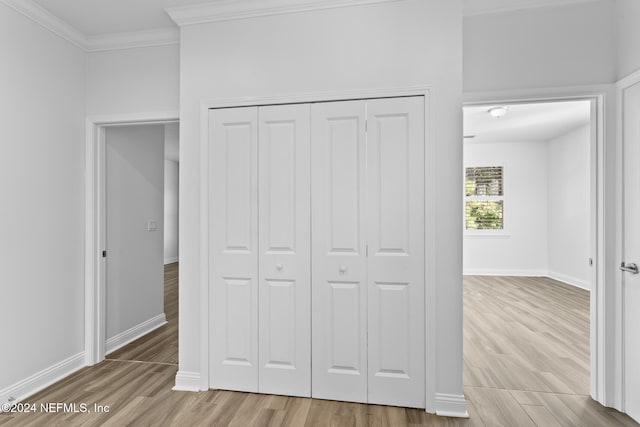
132,268
141,241
529,249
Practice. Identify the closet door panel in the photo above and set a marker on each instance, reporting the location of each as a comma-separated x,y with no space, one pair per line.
395,216
234,249
339,251
284,242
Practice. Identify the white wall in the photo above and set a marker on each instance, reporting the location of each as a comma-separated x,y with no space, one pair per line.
130,81
546,209
172,141
42,83
541,48
171,191
569,207
135,193
406,43
522,248
171,199
628,35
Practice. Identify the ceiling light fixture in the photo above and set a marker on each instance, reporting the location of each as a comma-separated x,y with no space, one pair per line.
497,112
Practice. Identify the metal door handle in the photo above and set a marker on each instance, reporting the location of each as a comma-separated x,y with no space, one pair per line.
631,268
279,267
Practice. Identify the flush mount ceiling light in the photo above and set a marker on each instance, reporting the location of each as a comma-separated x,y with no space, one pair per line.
497,112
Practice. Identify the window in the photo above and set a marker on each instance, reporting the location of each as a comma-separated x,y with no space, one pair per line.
484,198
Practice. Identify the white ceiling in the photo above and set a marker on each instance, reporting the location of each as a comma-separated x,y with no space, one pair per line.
101,17
525,122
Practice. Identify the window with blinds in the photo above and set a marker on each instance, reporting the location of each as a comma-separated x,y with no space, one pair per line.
484,198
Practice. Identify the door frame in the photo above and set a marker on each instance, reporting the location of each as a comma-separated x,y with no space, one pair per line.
95,218
451,405
621,87
602,170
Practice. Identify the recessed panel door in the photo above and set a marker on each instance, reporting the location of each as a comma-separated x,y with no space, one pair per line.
234,248
395,263
339,251
631,250
284,244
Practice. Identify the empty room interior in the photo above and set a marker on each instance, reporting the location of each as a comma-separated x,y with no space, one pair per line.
528,250
320,212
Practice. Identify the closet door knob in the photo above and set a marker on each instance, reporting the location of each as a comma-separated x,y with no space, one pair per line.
279,267
343,269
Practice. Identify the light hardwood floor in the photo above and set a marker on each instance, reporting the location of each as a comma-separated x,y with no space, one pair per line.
526,364
526,354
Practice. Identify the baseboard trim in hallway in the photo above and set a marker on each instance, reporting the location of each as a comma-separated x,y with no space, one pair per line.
451,405
187,381
132,334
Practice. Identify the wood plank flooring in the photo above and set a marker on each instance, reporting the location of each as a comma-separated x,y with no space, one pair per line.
535,327
526,354
526,364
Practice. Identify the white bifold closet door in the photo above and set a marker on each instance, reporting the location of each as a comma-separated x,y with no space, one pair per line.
284,262
338,176
395,264
259,246
368,251
234,248
331,190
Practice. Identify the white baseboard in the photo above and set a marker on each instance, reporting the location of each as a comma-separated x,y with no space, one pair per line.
498,272
578,283
451,405
134,333
187,381
40,380
170,260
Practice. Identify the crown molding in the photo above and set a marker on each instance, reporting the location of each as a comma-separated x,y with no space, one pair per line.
47,20
514,8
132,40
229,10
